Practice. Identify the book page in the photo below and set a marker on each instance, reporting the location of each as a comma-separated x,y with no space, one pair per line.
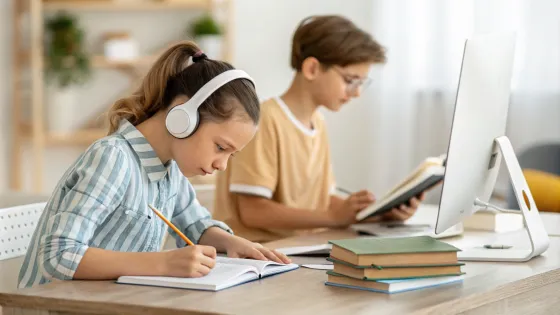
264,267
431,161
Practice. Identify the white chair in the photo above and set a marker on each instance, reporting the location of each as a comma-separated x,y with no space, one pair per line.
19,214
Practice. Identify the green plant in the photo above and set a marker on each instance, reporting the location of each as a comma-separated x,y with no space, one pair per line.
66,62
205,25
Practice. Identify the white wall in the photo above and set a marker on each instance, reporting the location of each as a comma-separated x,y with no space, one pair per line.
263,31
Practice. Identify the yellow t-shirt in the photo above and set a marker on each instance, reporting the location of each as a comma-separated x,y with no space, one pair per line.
285,162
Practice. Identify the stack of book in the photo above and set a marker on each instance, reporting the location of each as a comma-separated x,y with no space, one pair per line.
392,265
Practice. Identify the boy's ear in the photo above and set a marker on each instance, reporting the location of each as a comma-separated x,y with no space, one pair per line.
310,68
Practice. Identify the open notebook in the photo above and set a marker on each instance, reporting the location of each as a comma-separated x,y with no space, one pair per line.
228,272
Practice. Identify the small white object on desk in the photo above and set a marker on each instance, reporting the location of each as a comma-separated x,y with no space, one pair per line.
319,266
313,250
486,220
551,221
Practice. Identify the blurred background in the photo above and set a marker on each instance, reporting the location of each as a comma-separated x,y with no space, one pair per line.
94,51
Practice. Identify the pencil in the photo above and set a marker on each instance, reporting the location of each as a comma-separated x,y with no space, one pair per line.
346,191
159,214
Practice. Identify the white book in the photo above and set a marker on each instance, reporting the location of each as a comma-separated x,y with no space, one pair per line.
489,220
427,175
227,272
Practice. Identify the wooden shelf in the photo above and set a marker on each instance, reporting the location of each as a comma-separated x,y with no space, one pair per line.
79,137
28,17
125,5
102,62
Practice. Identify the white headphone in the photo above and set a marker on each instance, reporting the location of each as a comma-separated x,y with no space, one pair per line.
182,120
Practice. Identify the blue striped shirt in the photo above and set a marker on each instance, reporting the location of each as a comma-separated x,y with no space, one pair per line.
102,201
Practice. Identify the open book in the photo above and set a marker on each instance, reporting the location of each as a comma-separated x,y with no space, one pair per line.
228,272
427,175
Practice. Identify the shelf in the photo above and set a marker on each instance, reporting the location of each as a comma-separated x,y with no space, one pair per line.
79,137
102,62
125,5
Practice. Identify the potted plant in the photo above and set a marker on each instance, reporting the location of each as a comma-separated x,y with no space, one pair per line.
208,35
66,65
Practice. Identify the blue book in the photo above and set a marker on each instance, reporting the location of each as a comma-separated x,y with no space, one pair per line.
389,286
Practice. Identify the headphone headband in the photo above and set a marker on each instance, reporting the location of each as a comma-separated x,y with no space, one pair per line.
183,119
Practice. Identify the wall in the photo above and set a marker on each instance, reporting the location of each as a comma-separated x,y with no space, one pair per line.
261,51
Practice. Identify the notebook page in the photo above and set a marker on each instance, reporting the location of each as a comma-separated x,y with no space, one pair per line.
221,274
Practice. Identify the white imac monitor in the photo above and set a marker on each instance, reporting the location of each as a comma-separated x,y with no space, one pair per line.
478,144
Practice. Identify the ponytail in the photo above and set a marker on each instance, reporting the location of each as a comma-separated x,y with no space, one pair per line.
172,76
148,98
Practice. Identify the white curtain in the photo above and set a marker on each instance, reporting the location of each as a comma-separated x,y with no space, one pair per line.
413,95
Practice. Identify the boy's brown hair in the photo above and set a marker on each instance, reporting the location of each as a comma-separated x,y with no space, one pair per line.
334,40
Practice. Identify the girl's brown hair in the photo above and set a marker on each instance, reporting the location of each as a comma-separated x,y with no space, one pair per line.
170,77
334,40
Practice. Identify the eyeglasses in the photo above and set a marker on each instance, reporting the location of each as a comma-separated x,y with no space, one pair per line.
352,84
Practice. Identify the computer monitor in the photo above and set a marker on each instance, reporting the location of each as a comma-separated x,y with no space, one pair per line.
478,144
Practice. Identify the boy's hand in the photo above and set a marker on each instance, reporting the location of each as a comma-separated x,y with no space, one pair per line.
405,211
344,213
402,213
238,247
191,261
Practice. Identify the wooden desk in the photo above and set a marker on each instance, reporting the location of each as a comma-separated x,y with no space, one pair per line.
490,288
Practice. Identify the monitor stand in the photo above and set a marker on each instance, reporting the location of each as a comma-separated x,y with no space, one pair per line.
535,229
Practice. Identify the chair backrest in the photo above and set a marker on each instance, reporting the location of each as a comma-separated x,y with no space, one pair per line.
545,157
542,157
17,224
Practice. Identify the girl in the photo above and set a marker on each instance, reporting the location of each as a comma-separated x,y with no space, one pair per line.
98,224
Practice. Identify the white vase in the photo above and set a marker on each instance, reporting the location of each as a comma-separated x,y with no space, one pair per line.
62,110
211,45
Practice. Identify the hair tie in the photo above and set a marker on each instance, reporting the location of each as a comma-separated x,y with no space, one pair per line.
198,56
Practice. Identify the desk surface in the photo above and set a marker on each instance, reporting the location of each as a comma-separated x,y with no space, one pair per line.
491,288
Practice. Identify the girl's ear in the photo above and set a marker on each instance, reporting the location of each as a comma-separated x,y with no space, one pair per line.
310,68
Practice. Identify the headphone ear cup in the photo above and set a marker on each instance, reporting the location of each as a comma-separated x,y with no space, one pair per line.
177,122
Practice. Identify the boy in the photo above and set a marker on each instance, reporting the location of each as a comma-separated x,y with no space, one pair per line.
282,183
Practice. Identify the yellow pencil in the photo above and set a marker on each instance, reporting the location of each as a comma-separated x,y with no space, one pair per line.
159,214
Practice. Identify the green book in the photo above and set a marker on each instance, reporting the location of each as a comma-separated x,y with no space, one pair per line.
396,245
404,251
342,262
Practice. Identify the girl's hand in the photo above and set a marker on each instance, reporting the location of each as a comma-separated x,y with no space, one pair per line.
191,261
238,247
